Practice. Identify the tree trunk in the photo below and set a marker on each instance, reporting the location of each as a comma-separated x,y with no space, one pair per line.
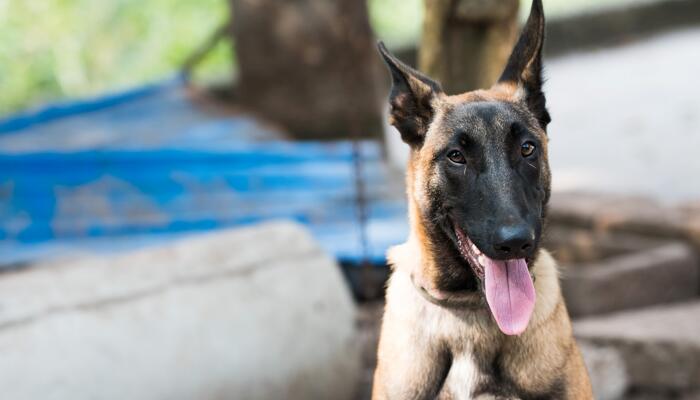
466,43
309,65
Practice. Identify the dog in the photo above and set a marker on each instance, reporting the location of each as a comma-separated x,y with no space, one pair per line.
473,305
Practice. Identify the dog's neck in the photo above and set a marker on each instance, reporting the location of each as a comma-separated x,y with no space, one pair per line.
414,259
408,259
461,300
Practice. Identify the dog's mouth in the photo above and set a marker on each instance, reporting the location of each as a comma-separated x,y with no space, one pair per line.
507,284
474,257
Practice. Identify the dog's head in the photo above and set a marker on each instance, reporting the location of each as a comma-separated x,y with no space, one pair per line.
478,176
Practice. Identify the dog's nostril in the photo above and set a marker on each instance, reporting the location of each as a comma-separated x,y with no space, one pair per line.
504,249
526,246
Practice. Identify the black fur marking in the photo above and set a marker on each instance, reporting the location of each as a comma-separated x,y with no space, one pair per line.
496,181
446,360
458,278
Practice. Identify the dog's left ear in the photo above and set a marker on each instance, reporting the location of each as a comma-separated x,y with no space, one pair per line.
524,66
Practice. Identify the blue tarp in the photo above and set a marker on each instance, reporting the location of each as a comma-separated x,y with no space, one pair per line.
151,164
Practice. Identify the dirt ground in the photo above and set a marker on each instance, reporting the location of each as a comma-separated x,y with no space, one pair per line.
368,320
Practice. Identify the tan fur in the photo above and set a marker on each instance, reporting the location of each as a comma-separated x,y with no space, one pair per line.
417,335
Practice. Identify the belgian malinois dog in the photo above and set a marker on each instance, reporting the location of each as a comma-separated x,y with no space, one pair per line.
473,306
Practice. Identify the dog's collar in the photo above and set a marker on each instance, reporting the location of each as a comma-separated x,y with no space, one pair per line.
455,300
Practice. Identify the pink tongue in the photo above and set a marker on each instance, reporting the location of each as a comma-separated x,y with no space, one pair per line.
510,294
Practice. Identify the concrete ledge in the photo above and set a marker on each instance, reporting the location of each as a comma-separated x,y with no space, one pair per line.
259,313
618,25
615,213
661,274
660,347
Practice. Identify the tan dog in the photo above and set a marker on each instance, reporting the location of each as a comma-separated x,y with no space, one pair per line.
473,307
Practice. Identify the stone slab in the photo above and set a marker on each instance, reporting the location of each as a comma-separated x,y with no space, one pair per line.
660,346
663,274
607,371
624,213
255,313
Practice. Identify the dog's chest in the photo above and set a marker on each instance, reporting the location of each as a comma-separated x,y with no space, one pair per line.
462,380
465,381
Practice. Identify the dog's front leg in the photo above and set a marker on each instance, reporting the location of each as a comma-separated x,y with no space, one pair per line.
410,364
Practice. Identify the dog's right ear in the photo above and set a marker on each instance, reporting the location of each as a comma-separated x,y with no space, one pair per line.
411,99
524,67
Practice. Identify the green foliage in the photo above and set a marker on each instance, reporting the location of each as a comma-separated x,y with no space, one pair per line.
396,22
53,49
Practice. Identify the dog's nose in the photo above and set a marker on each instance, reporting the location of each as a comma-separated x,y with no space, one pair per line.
514,241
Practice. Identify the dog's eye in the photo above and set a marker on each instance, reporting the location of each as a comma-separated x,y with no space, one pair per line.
527,149
456,157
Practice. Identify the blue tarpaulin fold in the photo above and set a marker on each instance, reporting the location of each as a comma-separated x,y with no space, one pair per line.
150,165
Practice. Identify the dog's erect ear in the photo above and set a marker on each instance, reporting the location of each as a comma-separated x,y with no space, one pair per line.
411,99
524,66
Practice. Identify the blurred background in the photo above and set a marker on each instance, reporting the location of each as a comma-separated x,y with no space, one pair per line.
196,196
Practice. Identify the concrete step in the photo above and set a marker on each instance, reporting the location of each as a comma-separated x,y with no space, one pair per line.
659,348
660,274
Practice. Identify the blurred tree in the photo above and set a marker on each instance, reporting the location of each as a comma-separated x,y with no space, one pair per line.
466,43
309,65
